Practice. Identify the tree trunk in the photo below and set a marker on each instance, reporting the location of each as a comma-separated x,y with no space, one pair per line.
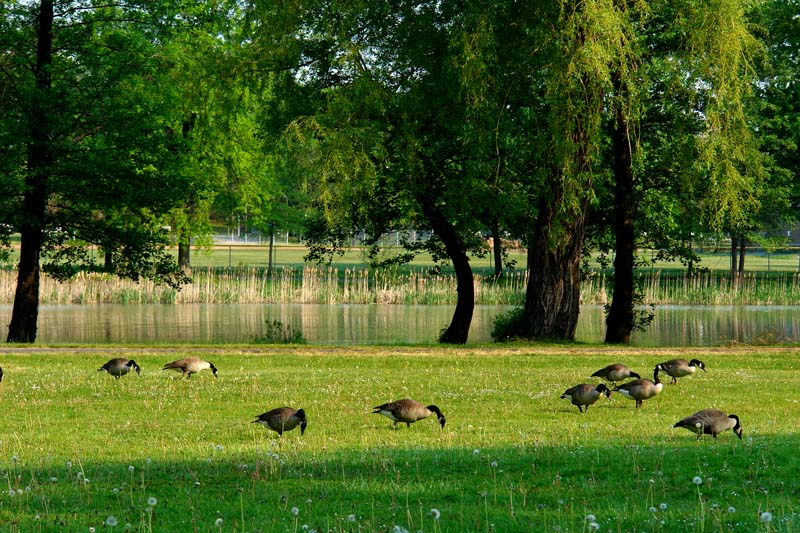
552,298
25,313
108,261
184,252
271,245
497,249
458,330
742,248
619,322
734,262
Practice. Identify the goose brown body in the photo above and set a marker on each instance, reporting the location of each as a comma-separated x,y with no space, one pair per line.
584,395
678,368
710,422
616,372
641,389
408,411
119,366
190,365
283,419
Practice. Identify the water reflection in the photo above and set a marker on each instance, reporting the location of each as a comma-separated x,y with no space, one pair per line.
364,324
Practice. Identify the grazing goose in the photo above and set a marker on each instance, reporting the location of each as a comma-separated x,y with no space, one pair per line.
641,389
283,419
190,365
584,395
1,374
616,372
119,366
710,422
677,368
408,411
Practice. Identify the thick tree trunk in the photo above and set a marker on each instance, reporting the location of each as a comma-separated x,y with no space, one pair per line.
184,252
458,330
742,248
108,261
619,323
552,298
25,313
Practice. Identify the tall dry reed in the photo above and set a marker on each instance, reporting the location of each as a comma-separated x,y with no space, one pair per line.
362,286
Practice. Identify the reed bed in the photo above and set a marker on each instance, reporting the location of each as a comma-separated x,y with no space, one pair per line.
331,285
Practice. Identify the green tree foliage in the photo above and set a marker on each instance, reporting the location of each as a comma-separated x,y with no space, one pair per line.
86,154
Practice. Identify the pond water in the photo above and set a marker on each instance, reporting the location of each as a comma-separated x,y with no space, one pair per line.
365,324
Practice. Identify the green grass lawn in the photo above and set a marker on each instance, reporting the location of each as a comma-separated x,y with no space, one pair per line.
157,452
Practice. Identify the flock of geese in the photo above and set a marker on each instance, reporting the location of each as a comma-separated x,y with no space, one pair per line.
706,422
279,419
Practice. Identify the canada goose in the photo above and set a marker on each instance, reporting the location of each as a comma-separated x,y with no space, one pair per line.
677,368
1,374
585,395
408,411
120,366
641,389
616,372
190,365
710,422
283,419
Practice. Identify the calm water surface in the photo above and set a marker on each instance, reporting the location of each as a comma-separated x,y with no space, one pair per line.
364,324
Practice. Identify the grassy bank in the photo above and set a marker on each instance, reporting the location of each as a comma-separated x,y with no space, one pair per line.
160,453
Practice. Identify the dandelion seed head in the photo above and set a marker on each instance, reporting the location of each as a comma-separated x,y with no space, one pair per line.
476,451
766,517
435,513
69,464
131,468
295,511
91,529
663,506
594,526
351,518
14,458
731,509
653,509
111,521
218,522
493,464
152,501
697,480
589,517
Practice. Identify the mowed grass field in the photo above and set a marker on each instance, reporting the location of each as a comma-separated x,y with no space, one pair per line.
81,451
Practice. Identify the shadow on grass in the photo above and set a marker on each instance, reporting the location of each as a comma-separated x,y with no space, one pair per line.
723,484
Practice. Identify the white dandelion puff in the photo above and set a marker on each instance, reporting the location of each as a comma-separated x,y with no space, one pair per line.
295,511
653,509
766,517
435,513
663,506
111,521
594,526
590,518
697,480
476,451
131,468
493,464
731,509
152,501
351,518
218,522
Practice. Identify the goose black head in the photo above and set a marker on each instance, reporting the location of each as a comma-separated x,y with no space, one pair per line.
439,415
635,375
136,367
738,427
602,389
213,369
698,363
301,414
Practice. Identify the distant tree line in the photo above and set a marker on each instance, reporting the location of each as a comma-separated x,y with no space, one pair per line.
566,126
